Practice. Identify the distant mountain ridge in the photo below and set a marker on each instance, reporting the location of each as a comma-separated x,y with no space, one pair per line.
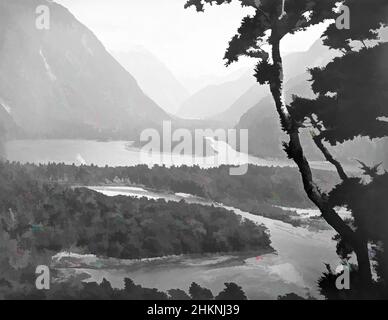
295,64
215,99
233,114
261,119
262,122
263,125
62,82
154,77
199,82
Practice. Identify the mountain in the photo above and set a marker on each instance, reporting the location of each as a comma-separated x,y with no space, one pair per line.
215,98
316,56
197,83
233,114
261,119
156,80
262,122
295,64
62,82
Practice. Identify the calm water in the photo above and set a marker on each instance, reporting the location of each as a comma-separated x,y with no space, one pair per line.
295,267
120,153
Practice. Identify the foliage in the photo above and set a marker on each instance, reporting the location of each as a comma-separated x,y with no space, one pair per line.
351,98
266,27
257,192
52,217
199,293
352,102
39,219
74,289
231,292
294,297
366,18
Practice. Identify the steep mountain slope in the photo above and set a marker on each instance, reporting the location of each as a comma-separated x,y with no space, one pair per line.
262,122
233,114
156,80
266,136
317,55
62,82
295,64
215,99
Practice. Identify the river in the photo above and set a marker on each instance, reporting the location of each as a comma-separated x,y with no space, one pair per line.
295,266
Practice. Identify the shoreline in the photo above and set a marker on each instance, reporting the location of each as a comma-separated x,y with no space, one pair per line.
98,263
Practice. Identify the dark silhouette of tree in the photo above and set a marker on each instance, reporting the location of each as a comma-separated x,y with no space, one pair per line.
351,102
178,294
231,292
74,289
199,293
291,296
300,14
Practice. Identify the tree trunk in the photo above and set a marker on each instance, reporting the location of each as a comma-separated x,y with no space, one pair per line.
295,152
363,261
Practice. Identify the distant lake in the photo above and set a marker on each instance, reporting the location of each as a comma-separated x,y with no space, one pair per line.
121,153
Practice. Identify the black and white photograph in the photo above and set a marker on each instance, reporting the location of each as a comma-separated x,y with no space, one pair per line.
205,150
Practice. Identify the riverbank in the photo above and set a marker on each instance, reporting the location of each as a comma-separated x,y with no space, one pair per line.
294,216
294,266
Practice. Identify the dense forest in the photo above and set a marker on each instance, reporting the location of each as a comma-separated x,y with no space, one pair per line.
258,192
123,227
41,218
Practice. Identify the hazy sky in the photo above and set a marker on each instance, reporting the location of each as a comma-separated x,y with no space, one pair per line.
189,43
